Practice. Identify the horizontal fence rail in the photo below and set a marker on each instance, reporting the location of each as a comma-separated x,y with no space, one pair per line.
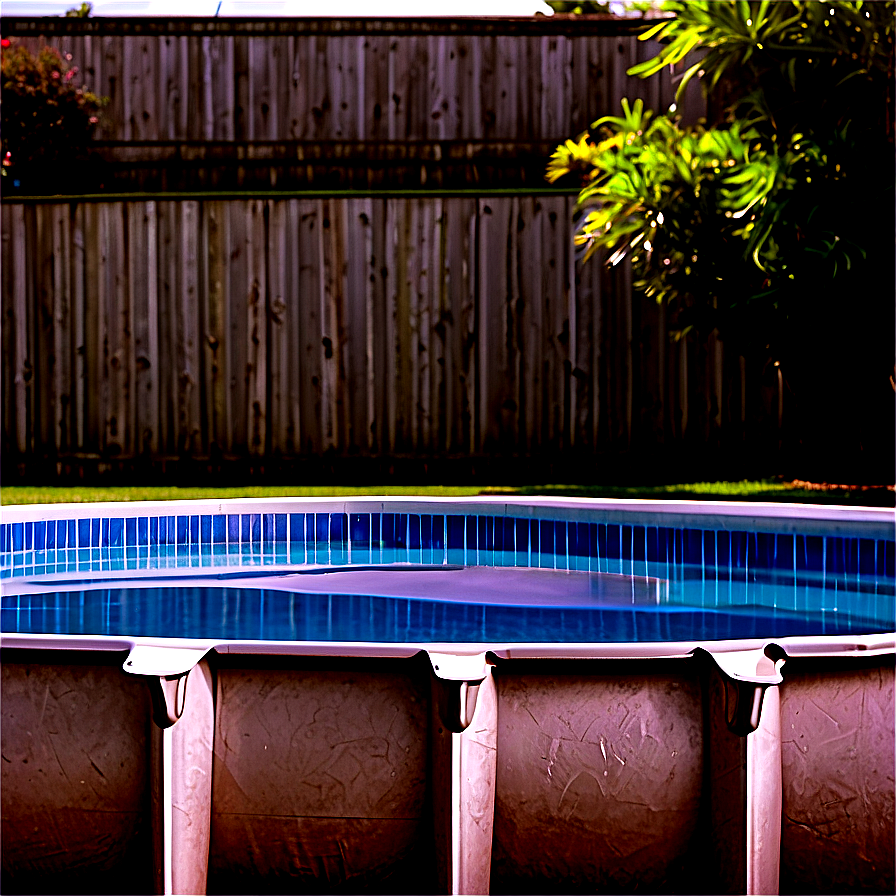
438,327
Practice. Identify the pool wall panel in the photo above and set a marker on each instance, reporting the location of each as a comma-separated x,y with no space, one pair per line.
320,777
75,776
838,763
599,779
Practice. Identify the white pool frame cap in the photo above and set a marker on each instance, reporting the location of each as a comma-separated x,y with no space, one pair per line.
779,516
165,659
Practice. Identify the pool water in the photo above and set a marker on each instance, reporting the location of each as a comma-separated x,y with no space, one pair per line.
397,602
439,577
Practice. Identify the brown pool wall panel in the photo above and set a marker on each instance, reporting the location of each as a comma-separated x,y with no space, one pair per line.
600,779
320,776
75,779
837,721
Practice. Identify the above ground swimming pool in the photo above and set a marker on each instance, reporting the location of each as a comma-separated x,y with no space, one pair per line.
396,695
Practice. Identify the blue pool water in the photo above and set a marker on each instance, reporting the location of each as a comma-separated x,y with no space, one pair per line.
463,578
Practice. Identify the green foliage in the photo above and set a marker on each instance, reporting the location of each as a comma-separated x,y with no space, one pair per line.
664,196
79,12
47,118
791,63
740,222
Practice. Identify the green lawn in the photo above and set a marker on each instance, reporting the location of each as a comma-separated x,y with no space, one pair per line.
757,490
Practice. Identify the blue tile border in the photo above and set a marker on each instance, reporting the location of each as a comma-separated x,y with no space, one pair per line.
445,537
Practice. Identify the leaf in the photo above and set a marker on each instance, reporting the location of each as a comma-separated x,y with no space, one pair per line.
747,175
655,30
647,68
685,79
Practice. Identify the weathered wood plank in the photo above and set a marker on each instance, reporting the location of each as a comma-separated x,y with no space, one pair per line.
112,84
136,284
243,93
396,79
256,334
79,266
328,297
357,349
488,84
370,217
423,355
15,328
167,290
216,342
530,322
402,309
211,79
141,53
310,244
373,105
8,313
495,362
26,417
188,332
297,90
469,76
279,313
508,72
100,304
291,376
42,358
380,338
143,285
317,85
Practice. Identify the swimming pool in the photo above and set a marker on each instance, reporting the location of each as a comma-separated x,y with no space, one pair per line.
492,631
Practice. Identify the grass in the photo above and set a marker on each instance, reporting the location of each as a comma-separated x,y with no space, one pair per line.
744,490
797,492
78,494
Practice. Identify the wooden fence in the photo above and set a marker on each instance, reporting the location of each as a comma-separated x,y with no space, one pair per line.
294,327
323,103
428,324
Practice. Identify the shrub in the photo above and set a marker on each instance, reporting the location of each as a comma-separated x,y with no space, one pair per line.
746,218
771,223
47,117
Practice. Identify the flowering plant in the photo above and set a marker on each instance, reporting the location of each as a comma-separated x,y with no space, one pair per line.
46,117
